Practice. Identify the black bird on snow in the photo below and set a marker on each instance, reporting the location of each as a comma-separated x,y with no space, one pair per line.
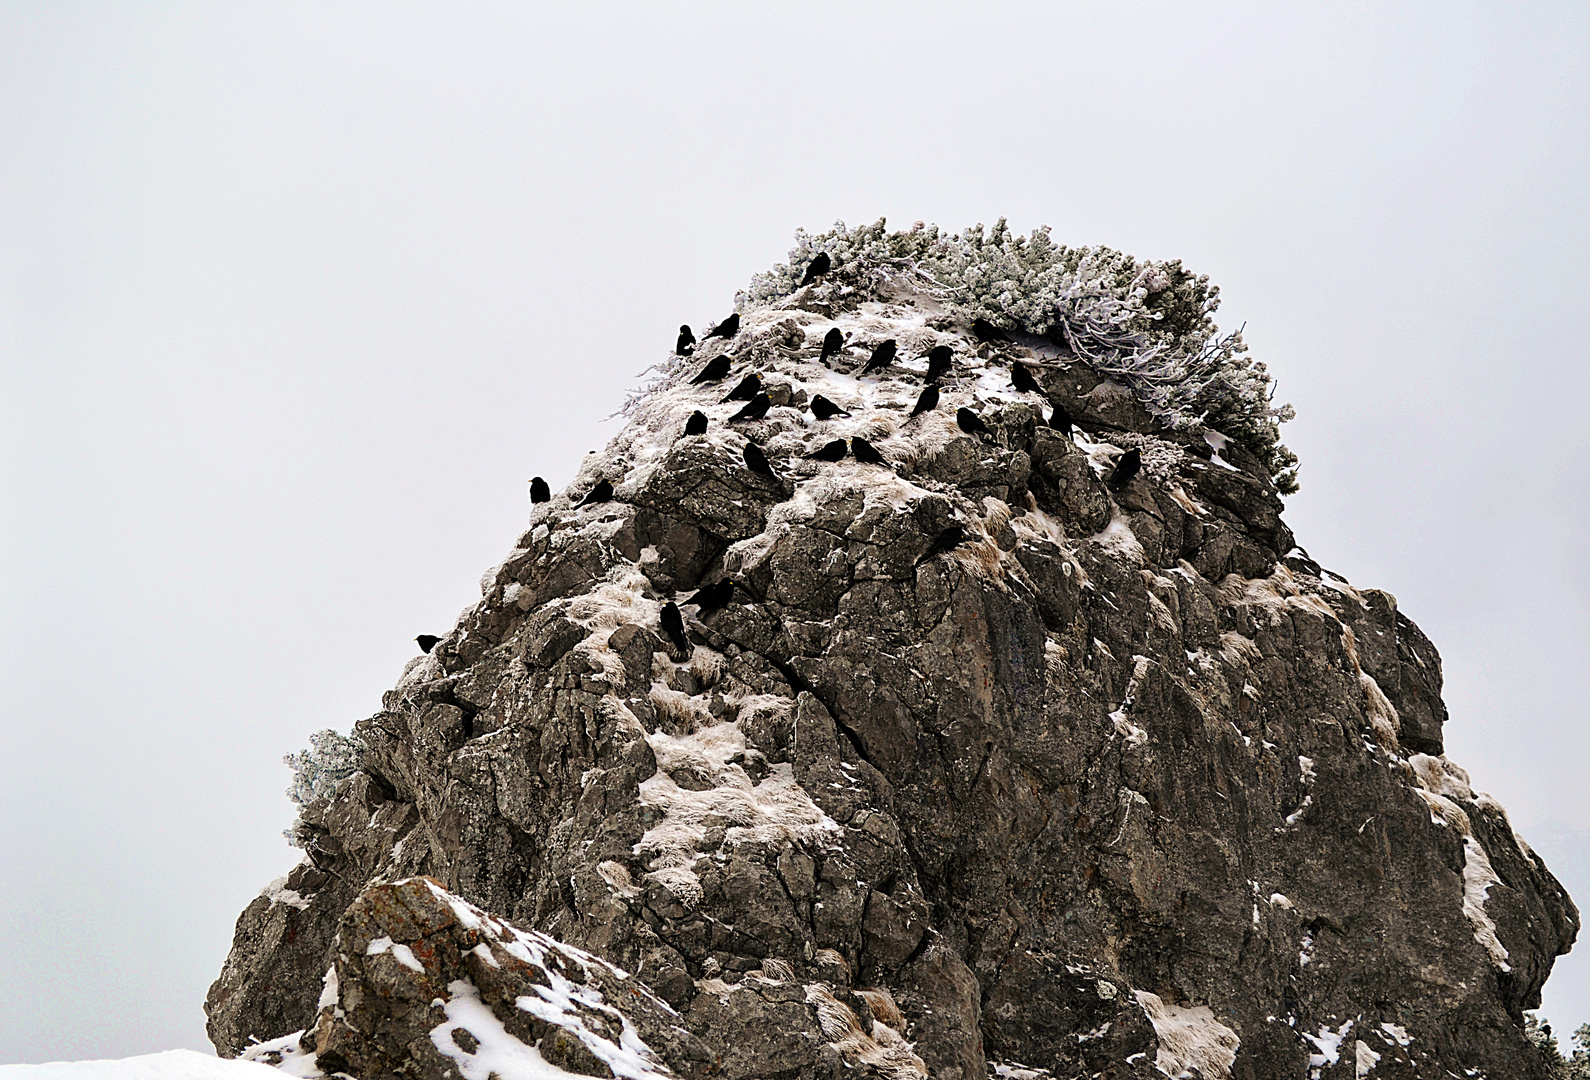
1060,420
1022,379
970,422
757,461
927,402
1126,466
710,598
539,492
697,424
725,329
754,409
673,624
427,642
833,341
749,387
948,540
834,451
687,342
817,268
866,453
824,409
601,493
716,369
987,331
882,356
939,361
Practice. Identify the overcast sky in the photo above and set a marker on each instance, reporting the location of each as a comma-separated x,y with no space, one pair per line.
294,297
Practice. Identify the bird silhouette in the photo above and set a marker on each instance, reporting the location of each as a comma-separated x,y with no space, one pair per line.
987,331
970,422
816,268
539,492
1060,420
939,361
727,328
427,642
601,493
697,424
673,624
927,402
834,451
754,409
710,598
687,342
757,461
948,540
824,409
1126,466
882,356
1023,380
833,341
716,369
866,453
749,387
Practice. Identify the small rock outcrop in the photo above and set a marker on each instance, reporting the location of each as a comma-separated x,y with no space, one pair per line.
1124,785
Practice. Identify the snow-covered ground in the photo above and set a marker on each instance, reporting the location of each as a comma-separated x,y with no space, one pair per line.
170,1065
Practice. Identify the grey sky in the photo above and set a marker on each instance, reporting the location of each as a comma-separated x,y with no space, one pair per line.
294,298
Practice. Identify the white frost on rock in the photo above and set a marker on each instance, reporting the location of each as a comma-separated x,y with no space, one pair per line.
1364,1059
277,892
1189,1039
1443,785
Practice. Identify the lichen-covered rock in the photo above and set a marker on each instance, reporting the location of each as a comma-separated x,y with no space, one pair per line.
1124,784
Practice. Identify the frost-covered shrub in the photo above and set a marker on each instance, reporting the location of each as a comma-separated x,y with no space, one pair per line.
330,759
1576,1067
1148,325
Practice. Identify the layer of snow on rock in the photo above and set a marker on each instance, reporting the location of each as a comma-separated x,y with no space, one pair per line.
169,1065
1189,1038
1442,785
1328,1047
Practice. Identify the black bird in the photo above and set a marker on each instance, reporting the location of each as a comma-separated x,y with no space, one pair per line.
866,453
1126,467
601,493
948,540
882,357
1060,420
673,624
749,387
727,328
987,331
754,409
927,402
1022,379
834,451
427,642
824,409
687,342
817,268
939,361
539,492
757,461
716,369
970,422
697,424
710,598
833,341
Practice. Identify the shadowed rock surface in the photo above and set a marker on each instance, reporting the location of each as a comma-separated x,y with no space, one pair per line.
1123,786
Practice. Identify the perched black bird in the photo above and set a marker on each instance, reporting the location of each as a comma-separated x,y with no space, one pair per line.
673,624
817,268
1022,379
710,598
757,461
687,342
539,492
834,451
727,328
824,409
427,642
939,361
866,453
601,493
987,331
754,409
1060,420
970,422
749,387
833,341
948,540
697,424
716,369
1126,466
927,402
882,357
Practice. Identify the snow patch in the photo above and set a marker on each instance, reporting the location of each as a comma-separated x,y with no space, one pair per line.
1443,785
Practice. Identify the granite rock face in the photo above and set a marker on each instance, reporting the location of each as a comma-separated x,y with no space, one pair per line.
1125,785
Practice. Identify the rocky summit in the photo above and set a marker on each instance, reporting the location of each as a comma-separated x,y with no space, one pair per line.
991,760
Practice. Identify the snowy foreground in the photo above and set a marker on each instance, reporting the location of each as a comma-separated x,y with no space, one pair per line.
170,1065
